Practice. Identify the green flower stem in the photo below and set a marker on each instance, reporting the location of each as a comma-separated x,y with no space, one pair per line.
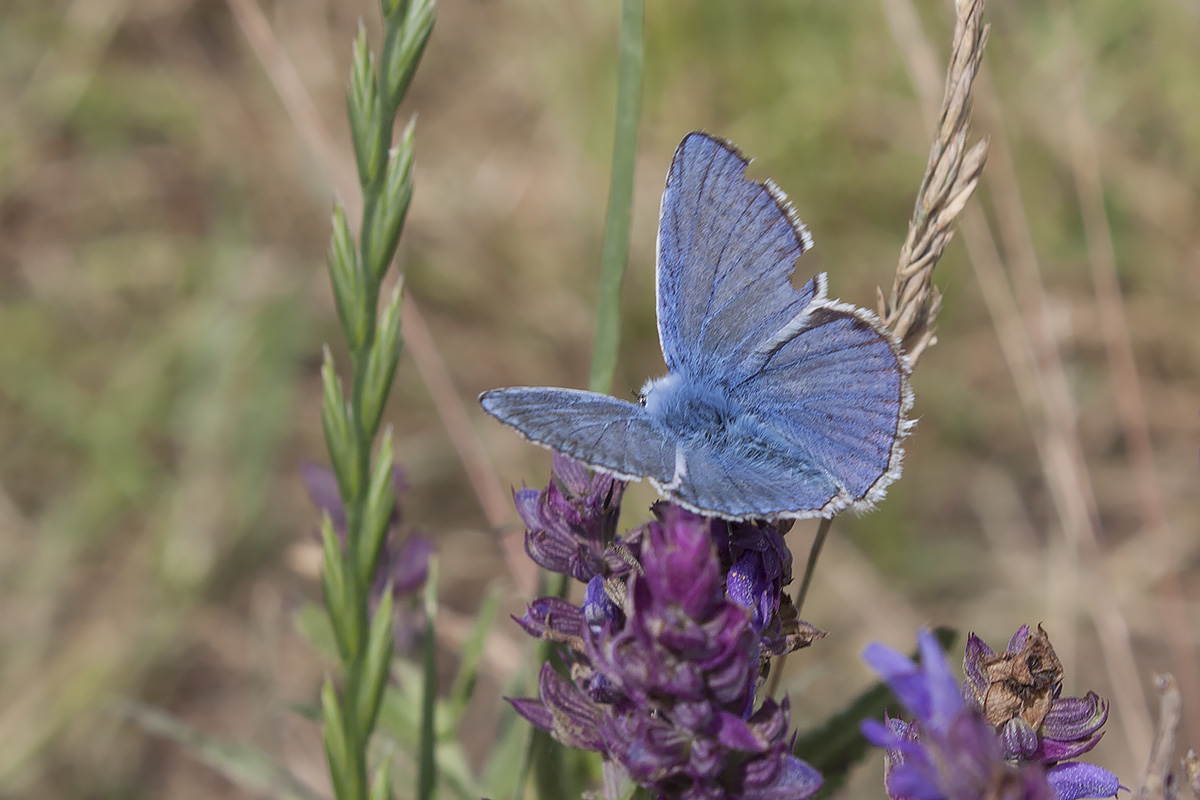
810,568
427,755
614,252
352,418
542,752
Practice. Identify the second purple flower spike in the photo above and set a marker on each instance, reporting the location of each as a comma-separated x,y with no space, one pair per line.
952,751
1019,693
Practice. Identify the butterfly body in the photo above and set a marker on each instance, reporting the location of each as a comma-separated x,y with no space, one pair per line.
778,402
689,408
703,416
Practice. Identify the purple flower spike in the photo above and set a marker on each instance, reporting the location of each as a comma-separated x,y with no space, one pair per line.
952,751
1018,692
665,650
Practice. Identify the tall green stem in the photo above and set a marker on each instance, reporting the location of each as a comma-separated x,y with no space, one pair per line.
614,252
810,568
352,418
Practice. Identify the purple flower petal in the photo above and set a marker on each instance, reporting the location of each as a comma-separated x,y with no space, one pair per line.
576,718
533,710
1075,717
771,721
575,477
409,566
976,651
952,751
880,734
323,491
969,755
598,608
1018,739
735,733
789,779
1076,780
528,505
945,696
650,748
744,581
913,782
1053,750
552,617
902,675
1018,639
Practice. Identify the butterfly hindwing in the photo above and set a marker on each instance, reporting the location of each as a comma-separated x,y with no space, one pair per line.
838,391
731,483
601,431
726,251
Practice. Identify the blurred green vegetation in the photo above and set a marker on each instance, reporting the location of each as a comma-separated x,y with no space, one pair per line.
164,217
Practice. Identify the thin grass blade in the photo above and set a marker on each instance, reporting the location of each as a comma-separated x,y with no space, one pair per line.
427,752
242,764
614,252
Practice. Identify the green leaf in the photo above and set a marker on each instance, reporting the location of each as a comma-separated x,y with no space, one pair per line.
242,764
403,46
472,651
349,289
392,8
381,363
340,435
400,721
506,761
312,621
337,593
366,113
337,747
614,252
381,784
551,772
837,744
384,215
376,660
380,504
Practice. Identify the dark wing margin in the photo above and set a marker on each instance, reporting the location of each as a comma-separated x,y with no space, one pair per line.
601,431
727,248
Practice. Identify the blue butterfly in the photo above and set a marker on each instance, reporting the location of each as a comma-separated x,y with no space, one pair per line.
778,402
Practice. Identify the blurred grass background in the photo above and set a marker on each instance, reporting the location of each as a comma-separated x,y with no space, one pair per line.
166,172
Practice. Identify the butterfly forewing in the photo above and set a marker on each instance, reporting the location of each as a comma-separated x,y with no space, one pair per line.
726,251
599,430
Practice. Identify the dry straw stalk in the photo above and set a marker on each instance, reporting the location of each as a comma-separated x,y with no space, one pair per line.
951,174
